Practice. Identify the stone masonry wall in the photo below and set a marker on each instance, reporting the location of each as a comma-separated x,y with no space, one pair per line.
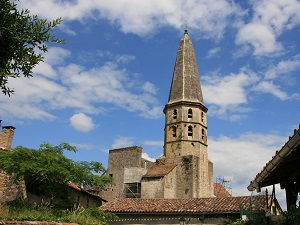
6,137
152,187
118,160
9,190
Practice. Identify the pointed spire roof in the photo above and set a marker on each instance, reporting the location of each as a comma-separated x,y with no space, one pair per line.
186,85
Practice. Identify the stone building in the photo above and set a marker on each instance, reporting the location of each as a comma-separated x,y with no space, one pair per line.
183,171
9,190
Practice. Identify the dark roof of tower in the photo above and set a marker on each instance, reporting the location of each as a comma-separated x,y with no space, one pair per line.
186,82
160,170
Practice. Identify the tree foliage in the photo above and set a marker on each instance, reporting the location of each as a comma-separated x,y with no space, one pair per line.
47,169
23,38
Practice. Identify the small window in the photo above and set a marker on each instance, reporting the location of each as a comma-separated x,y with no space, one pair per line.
175,114
190,113
190,131
174,131
203,134
202,116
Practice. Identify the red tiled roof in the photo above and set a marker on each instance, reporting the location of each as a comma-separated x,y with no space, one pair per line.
195,205
220,191
77,188
160,170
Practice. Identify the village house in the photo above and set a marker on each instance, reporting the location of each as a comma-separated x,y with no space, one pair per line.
10,190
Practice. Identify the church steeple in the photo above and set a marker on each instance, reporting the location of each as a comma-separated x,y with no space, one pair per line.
186,83
185,141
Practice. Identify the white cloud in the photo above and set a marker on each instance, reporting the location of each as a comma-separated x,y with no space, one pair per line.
260,36
146,156
125,58
249,152
221,101
74,86
54,56
143,17
270,19
228,96
150,88
123,142
82,122
31,98
284,67
217,87
213,52
271,88
154,143
277,14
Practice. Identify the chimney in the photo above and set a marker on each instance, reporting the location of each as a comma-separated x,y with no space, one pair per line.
6,137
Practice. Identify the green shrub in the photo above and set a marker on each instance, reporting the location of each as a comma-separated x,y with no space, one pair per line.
21,211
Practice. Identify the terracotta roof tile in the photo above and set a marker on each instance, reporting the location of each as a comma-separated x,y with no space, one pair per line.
220,191
195,205
77,188
160,170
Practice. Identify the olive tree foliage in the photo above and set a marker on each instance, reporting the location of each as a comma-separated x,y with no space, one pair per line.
47,170
23,37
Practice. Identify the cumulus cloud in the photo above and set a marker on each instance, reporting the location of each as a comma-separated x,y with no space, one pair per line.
146,156
150,88
284,67
271,88
154,143
228,96
270,19
82,122
54,56
260,36
213,52
277,14
58,86
143,17
249,152
216,88
123,142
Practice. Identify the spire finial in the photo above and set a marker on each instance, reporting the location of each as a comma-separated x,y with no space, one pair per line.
186,28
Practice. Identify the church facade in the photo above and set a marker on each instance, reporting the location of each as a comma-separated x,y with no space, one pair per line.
184,170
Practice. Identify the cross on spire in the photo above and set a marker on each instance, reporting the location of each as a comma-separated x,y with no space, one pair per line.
186,28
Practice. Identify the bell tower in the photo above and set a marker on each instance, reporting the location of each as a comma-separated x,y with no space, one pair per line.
185,132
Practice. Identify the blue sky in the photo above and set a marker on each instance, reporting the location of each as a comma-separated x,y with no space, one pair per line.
107,85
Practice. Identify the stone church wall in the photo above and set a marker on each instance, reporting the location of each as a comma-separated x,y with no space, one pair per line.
187,177
170,184
152,187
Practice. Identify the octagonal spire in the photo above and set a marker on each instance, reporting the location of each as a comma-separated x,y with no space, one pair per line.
185,85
